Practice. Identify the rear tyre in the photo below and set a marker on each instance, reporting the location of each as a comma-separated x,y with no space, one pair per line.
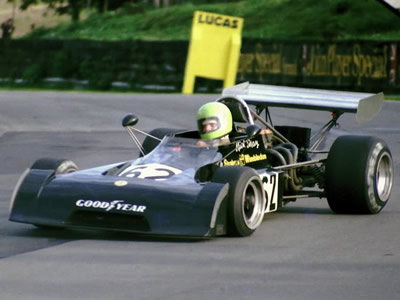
359,175
246,201
150,143
59,166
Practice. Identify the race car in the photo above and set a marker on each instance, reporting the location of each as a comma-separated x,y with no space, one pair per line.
184,185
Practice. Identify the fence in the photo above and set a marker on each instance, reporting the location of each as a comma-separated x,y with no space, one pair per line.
136,65
362,66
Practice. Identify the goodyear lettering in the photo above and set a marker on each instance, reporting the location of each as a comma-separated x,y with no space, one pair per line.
112,205
217,21
245,159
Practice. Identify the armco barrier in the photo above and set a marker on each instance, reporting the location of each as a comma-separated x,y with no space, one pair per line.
135,65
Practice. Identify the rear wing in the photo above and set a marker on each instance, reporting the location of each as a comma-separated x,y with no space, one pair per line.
366,106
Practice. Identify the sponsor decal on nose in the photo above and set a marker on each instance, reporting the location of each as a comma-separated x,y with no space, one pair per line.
118,205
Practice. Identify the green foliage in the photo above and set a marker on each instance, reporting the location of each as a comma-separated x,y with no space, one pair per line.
74,7
63,64
266,19
102,79
34,73
392,97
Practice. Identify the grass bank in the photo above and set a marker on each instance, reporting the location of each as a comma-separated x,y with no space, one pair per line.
265,19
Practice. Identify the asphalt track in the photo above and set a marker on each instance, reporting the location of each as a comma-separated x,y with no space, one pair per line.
302,252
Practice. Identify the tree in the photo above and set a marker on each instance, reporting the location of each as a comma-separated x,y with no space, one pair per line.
71,7
74,7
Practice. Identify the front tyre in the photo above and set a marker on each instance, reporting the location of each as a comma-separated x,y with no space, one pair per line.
246,201
359,175
59,166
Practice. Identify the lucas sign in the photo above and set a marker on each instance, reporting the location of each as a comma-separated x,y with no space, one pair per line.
214,49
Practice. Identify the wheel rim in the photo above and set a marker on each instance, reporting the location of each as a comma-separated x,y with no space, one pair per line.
252,205
384,177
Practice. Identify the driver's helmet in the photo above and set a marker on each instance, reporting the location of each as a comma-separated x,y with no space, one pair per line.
214,120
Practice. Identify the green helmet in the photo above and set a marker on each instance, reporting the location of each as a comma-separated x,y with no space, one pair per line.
214,120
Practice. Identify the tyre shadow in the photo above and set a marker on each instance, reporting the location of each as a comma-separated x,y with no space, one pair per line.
306,210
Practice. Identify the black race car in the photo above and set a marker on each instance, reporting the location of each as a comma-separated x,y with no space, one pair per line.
182,185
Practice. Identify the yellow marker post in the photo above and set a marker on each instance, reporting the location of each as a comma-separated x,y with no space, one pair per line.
214,49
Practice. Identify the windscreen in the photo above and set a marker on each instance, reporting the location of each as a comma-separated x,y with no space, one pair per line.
184,153
174,156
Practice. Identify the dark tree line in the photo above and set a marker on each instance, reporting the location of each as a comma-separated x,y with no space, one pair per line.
74,7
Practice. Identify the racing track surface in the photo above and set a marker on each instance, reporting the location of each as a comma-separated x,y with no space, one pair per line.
303,252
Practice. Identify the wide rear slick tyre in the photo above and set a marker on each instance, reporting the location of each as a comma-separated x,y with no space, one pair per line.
359,175
246,201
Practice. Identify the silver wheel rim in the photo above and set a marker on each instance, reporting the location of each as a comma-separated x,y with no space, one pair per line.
252,204
384,177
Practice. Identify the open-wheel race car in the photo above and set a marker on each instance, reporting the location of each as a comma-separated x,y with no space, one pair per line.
184,185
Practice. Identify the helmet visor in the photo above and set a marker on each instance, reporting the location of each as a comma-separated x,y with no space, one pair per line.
208,125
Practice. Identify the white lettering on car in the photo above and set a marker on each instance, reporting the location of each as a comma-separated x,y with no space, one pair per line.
150,171
118,205
270,185
246,144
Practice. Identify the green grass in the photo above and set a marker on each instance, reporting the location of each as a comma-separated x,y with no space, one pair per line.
392,97
266,19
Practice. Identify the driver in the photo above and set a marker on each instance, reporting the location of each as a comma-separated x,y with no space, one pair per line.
214,121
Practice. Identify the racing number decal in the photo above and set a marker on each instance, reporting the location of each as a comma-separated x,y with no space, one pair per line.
151,171
270,184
